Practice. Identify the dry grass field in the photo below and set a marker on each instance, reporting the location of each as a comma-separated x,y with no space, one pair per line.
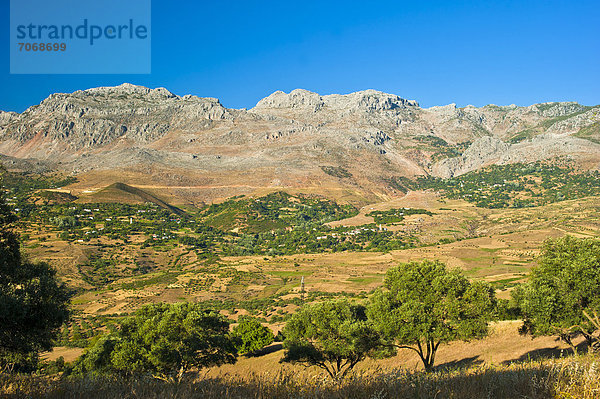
498,245
503,346
573,378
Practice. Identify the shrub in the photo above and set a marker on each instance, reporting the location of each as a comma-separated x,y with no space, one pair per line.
252,335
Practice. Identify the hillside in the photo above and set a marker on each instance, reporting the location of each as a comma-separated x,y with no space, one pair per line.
352,146
124,194
121,247
161,199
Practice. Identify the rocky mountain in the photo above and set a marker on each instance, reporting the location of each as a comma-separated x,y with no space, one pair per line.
200,150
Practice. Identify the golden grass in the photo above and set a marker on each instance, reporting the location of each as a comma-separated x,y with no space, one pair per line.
573,377
505,244
503,346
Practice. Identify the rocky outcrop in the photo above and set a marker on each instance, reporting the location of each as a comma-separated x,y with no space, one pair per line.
297,99
483,151
367,100
96,117
489,150
555,109
375,136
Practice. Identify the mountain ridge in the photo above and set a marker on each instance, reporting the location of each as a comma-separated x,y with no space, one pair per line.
287,138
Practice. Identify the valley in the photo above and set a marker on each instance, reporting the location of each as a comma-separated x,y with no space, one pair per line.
302,199
121,247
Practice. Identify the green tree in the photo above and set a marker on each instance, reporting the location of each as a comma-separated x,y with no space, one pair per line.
333,335
33,303
252,335
423,304
165,339
562,296
64,222
97,359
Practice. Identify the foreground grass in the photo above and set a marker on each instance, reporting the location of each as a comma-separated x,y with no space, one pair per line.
573,377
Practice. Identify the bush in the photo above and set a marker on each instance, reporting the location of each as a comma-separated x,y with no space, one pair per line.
166,340
252,335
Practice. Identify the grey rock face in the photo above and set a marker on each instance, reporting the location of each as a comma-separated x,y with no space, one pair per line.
96,117
483,151
367,100
372,134
296,99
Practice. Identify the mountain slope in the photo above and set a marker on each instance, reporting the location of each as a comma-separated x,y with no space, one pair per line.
125,194
287,140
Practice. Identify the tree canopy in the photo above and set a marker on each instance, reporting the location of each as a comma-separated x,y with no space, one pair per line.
165,339
423,304
562,296
252,335
33,303
333,335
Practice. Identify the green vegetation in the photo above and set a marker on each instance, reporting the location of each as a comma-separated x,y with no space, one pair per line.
276,224
517,185
146,253
401,183
424,305
432,140
545,125
167,340
274,211
562,296
336,171
19,185
98,271
320,239
81,331
33,303
441,148
333,336
116,191
396,215
590,132
252,335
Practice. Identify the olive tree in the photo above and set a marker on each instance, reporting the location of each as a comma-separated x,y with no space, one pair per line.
423,304
251,335
167,340
333,335
562,296
33,303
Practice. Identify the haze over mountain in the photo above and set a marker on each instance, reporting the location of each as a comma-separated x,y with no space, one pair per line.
357,142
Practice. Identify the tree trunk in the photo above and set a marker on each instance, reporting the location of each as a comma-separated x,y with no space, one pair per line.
427,353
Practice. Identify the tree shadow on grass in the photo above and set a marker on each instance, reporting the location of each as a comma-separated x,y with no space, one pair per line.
274,347
548,353
462,363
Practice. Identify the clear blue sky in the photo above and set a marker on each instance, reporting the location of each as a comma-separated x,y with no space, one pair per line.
436,52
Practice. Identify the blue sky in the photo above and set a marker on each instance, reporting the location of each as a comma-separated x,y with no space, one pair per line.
435,52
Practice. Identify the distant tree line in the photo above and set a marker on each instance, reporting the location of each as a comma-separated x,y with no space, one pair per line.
516,185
